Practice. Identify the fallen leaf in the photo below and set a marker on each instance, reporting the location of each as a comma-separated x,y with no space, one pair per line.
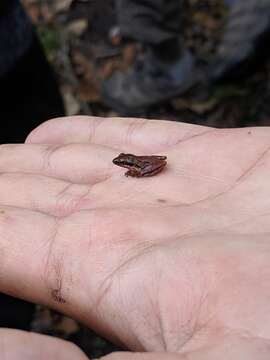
72,105
203,107
110,66
88,92
197,107
83,66
112,114
47,13
206,20
33,11
62,5
67,326
129,54
77,27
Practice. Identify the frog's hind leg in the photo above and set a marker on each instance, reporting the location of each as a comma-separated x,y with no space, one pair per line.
153,172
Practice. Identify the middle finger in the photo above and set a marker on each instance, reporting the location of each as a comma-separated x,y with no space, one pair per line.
78,163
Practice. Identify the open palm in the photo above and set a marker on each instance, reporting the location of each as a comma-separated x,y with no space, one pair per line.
175,263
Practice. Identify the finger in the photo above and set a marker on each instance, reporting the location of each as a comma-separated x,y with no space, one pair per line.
61,198
148,136
24,250
40,263
45,194
80,163
20,345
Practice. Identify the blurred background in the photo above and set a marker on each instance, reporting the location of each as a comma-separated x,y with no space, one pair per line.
199,61
82,40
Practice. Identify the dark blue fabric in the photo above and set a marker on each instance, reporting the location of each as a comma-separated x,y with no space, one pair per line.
16,34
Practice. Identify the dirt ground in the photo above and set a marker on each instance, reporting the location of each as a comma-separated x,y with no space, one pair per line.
84,49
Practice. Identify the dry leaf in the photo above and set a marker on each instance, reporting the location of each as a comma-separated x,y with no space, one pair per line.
67,326
47,13
107,70
33,11
72,105
180,103
88,92
62,5
110,66
77,27
206,20
203,107
83,66
197,107
112,114
129,54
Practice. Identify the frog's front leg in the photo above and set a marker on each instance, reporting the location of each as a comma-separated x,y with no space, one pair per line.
133,173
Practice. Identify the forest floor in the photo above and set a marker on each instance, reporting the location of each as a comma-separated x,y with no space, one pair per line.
78,38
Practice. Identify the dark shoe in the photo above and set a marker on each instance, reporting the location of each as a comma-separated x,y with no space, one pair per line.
149,83
245,41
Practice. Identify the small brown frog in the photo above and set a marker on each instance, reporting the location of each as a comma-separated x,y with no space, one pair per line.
141,166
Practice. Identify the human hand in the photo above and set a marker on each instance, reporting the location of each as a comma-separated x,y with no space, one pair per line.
162,264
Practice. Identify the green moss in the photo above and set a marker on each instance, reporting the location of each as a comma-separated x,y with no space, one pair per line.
51,38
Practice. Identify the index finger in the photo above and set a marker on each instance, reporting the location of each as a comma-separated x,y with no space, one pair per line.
126,133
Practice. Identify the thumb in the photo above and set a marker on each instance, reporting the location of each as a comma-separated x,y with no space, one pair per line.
20,345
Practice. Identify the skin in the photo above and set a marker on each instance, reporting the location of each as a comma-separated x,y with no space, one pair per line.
175,267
